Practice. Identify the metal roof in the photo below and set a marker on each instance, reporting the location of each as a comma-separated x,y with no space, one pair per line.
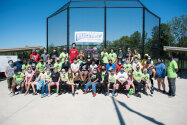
19,49
175,49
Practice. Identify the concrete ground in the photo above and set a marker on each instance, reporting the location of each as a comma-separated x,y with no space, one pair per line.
99,110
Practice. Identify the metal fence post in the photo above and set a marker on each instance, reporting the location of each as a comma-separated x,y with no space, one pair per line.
68,29
143,32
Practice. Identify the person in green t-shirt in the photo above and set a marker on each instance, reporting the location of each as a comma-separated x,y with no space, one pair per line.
104,56
18,79
24,66
40,66
70,81
104,79
63,55
127,65
137,76
146,81
113,56
58,64
111,81
172,69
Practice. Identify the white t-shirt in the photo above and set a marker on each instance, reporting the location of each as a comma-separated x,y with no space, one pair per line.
74,66
122,76
135,64
93,66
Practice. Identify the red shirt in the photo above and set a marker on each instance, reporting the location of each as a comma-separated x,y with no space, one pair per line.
118,67
73,53
36,56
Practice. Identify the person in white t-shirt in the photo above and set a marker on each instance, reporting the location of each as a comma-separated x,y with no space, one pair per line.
75,68
135,63
121,80
92,66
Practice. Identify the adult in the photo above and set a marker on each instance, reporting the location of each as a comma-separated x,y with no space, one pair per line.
34,56
66,65
73,53
135,63
112,56
160,74
120,55
104,56
18,64
45,55
110,66
54,55
95,56
63,55
172,70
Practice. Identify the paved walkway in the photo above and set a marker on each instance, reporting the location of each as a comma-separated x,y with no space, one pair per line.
87,110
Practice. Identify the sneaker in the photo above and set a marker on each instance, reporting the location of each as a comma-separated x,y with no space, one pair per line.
42,95
107,93
56,94
146,93
73,94
94,94
11,95
139,95
49,94
9,92
85,92
128,96
34,93
26,93
116,94
151,91
113,94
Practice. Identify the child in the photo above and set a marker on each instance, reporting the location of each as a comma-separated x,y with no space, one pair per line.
70,81
28,79
38,81
47,77
64,77
18,79
130,82
145,81
111,81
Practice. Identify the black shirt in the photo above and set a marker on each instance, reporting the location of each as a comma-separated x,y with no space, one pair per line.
84,67
33,64
66,66
55,76
95,76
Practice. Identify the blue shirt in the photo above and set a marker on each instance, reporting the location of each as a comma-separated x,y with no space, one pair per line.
112,66
160,70
18,65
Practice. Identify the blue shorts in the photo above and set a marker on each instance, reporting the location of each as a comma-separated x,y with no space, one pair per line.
18,82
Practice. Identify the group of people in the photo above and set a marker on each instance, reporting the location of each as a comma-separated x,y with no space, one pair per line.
122,72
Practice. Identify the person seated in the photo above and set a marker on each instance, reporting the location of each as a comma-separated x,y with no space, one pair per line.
47,77
28,79
110,65
80,56
146,81
64,79
18,80
70,81
137,76
118,66
40,66
54,80
84,68
25,66
135,63
92,66
121,80
104,79
75,69
130,83
111,82
58,64
94,81
38,81
66,65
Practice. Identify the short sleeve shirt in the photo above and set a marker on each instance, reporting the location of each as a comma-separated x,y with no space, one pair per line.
40,66
63,56
19,77
122,76
138,75
105,57
171,73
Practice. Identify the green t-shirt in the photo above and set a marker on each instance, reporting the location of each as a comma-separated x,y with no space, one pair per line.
40,66
18,77
105,57
112,78
127,67
63,56
47,76
145,77
112,56
24,67
103,75
64,76
171,73
58,66
138,56
138,75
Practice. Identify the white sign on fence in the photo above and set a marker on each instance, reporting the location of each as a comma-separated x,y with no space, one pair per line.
4,61
88,36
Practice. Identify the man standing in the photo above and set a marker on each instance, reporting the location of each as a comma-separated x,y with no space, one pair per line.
95,56
172,70
45,55
34,55
73,53
63,55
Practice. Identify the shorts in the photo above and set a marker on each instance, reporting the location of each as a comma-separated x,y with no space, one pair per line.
125,83
9,81
18,82
54,83
144,82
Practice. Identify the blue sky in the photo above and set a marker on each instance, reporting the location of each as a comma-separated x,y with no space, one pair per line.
23,22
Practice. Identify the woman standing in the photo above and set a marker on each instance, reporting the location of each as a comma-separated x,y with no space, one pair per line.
160,74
